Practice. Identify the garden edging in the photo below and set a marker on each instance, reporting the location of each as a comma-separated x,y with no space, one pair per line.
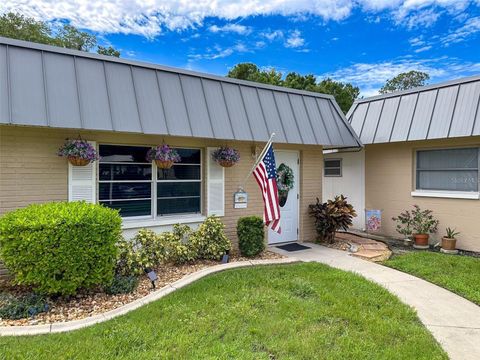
153,296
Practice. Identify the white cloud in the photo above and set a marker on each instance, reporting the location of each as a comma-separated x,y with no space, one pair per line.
470,28
370,77
232,28
294,40
217,52
272,35
423,48
150,18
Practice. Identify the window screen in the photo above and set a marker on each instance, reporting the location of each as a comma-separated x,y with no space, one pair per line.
447,169
332,167
128,182
125,179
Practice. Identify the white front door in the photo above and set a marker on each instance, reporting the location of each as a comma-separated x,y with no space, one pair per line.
289,211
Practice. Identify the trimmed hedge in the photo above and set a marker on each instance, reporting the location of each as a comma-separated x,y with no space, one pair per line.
251,235
60,247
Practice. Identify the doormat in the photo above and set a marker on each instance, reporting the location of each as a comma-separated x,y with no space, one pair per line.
293,247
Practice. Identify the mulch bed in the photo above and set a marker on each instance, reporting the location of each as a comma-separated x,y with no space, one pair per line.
89,303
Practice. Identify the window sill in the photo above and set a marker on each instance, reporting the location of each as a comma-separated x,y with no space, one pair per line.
447,194
163,221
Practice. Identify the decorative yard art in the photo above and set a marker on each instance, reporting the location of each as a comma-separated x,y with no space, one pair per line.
373,219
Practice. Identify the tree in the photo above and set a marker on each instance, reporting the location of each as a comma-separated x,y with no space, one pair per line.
72,38
109,51
344,93
251,72
405,81
17,26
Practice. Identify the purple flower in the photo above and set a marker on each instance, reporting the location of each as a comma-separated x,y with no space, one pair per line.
226,154
78,148
163,153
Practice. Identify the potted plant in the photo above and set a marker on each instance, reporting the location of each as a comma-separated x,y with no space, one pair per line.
424,224
78,152
285,182
226,156
404,226
449,242
164,156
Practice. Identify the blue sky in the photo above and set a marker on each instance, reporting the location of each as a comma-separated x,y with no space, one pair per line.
364,42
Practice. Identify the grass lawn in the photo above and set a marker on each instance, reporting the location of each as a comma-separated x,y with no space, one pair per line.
459,274
297,311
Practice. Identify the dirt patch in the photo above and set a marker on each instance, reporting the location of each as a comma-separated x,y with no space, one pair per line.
94,302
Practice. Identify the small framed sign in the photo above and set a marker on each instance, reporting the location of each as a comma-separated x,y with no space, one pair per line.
373,219
240,200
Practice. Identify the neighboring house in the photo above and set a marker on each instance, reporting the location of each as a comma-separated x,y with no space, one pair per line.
48,94
421,147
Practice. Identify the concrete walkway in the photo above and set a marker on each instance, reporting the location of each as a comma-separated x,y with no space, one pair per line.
453,320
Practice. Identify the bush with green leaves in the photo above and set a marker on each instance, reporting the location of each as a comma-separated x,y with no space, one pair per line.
209,241
122,284
60,247
251,235
21,307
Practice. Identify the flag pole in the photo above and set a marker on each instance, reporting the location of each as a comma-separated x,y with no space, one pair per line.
270,140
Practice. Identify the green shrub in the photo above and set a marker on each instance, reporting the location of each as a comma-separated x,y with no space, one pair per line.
22,307
60,247
180,250
122,284
251,235
209,240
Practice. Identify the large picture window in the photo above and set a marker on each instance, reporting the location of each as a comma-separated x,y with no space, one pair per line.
137,188
448,169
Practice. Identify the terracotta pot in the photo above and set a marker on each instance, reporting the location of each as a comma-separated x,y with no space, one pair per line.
78,161
226,163
164,164
421,239
449,244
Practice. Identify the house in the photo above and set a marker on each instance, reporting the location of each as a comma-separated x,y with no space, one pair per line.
421,147
123,107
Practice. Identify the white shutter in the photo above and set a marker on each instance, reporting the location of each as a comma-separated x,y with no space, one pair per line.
82,181
215,186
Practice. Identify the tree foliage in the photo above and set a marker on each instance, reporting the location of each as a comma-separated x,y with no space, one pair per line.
344,93
405,81
18,26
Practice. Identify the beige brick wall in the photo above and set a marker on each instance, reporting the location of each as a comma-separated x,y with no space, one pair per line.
389,178
31,172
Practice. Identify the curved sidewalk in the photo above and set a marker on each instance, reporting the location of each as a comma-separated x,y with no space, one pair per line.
453,320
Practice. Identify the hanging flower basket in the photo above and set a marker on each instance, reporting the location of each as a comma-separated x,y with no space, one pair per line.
285,182
226,156
164,156
78,152
164,164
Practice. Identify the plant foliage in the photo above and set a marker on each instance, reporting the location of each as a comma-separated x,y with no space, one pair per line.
78,148
423,221
251,235
405,81
331,216
25,306
209,241
451,233
163,153
404,223
122,284
60,247
226,154
285,178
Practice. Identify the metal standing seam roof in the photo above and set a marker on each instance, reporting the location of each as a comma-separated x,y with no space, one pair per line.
48,86
444,110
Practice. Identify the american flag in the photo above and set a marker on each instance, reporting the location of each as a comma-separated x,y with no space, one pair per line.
266,175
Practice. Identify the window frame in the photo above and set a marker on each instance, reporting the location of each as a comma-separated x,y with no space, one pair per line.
153,183
460,194
339,168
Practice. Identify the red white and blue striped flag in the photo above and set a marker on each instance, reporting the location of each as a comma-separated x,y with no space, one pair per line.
266,175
